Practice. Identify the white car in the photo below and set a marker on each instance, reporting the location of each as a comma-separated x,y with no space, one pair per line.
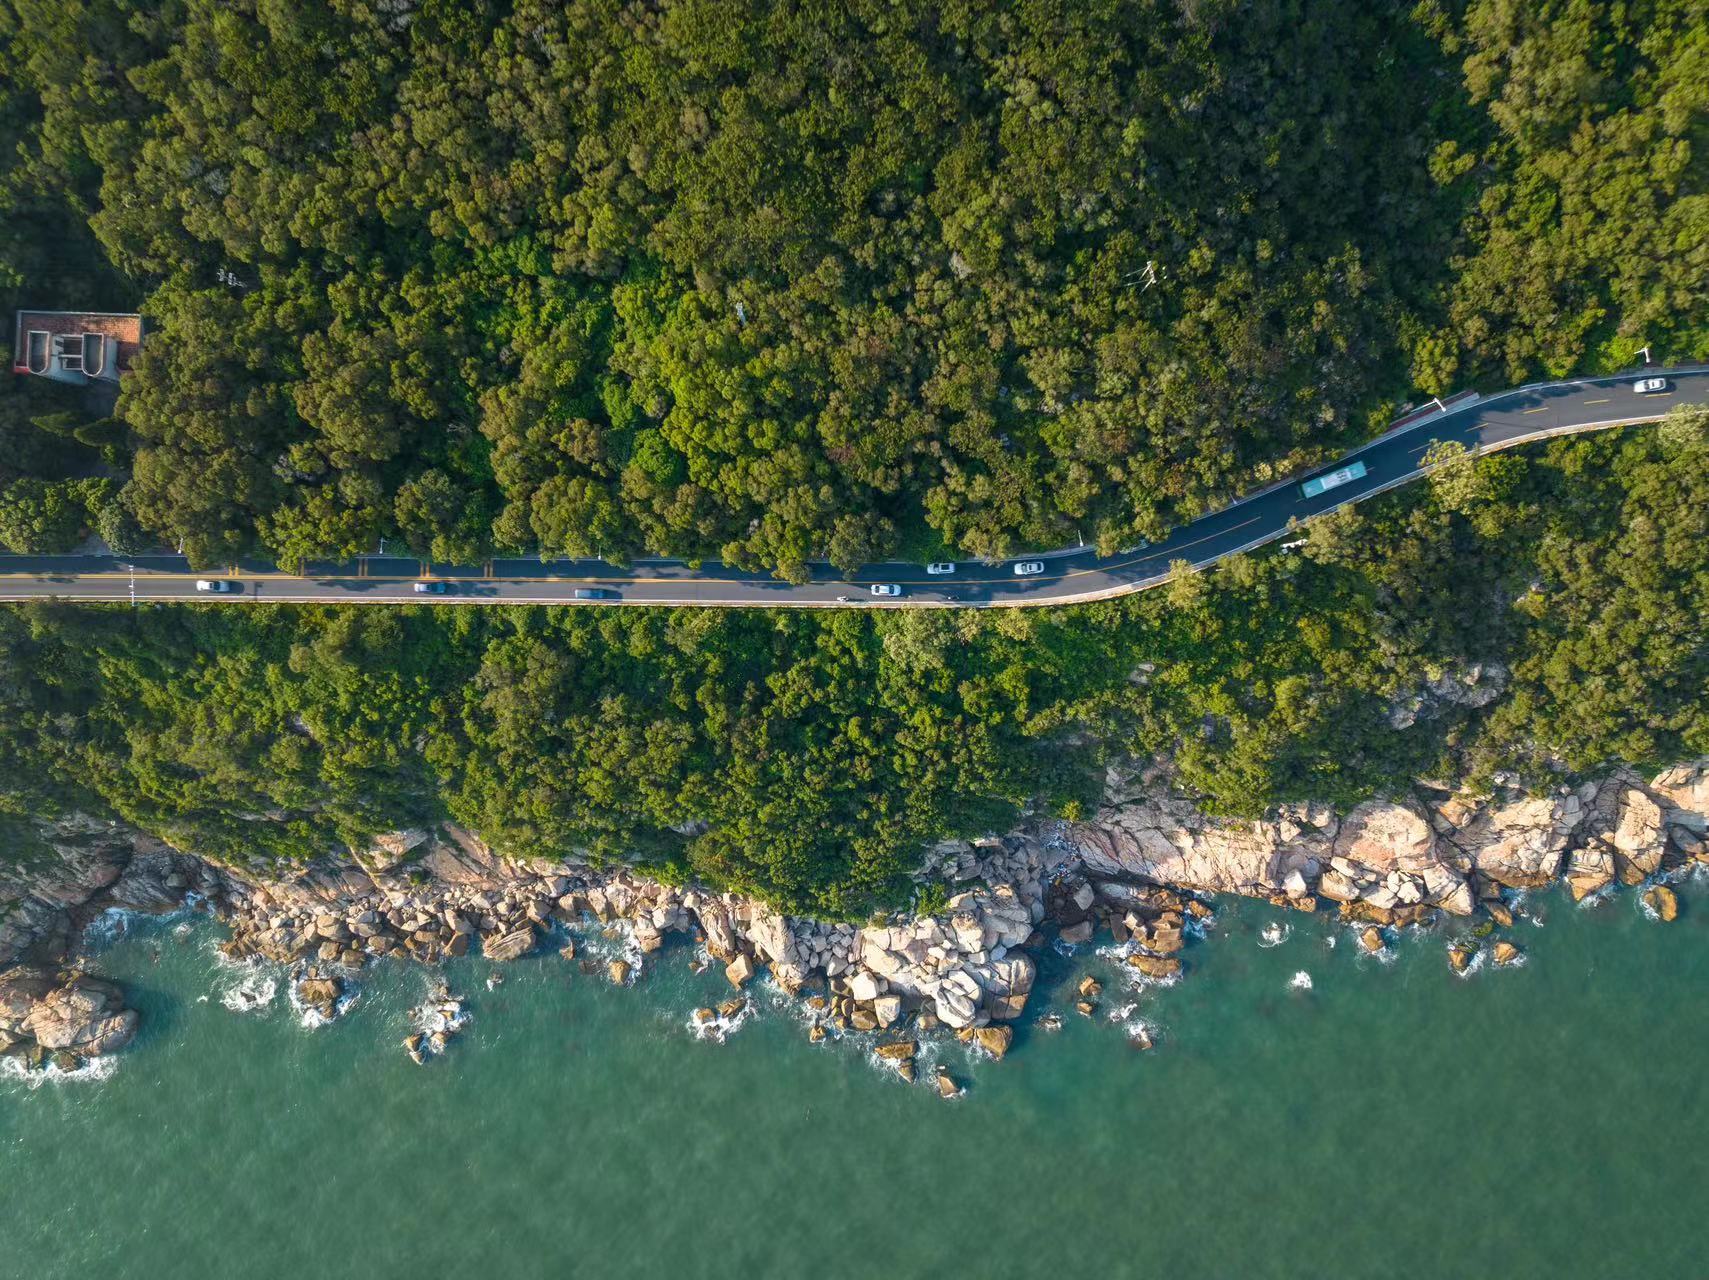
940,567
218,586
1644,386
885,589
433,587
1026,568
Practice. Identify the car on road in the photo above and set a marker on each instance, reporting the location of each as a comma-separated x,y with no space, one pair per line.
434,588
885,589
1648,386
593,593
1027,568
940,567
216,586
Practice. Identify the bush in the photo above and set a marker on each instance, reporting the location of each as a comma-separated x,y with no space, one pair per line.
38,516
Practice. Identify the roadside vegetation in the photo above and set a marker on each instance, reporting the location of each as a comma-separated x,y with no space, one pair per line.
809,756
778,281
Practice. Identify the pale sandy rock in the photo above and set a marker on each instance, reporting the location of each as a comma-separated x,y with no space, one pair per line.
957,996
1170,842
1007,983
1338,886
1386,835
740,971
1589,870
1685,790
771,936
81,1014
1639,833
511,945
391,847
866,986
720,933
1521,843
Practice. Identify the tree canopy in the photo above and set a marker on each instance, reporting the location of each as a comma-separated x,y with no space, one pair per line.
783,281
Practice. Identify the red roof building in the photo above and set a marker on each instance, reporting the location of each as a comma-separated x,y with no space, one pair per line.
75,346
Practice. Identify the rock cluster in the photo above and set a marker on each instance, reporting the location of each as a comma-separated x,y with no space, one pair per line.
958,969
1401,859
1132,870
61,1016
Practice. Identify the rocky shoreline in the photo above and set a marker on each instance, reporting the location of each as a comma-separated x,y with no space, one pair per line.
1143,871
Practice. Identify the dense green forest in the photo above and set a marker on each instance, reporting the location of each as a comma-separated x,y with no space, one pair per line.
808,756
780,279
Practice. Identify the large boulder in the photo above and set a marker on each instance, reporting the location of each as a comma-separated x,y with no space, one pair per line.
1639,837
1589,870
391,847
865,986
957,996
509,946
1684,789
1387,836
1007,983
1521,844
77,1013
1167,840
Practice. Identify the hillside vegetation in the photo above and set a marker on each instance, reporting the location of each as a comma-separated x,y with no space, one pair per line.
774,281
809,756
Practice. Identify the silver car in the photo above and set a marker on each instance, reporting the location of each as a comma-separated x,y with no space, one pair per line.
1646,386
1027,568
217,586
885,589
940,567
433,588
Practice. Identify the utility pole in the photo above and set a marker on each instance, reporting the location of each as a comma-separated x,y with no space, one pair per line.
1645,352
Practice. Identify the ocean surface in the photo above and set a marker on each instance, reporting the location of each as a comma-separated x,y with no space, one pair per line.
1389,1120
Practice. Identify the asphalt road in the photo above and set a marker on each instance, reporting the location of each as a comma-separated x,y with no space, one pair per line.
1487,423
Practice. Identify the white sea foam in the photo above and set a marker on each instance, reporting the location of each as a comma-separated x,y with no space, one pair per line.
448,1014
1274,934
1301,981
310,1018
92,1069
252,992
615,941
722,1027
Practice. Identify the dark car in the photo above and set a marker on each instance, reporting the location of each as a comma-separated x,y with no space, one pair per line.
593,593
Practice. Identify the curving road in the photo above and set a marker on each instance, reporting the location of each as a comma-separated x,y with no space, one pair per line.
1482,423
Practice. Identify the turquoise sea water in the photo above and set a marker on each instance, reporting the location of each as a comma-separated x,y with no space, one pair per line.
1392,1120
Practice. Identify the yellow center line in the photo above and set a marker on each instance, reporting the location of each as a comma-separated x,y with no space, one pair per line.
1538,409
1604,400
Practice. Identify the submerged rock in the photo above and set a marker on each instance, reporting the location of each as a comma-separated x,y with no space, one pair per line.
1155,966
740,971
1663,901
994,1040
319,992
